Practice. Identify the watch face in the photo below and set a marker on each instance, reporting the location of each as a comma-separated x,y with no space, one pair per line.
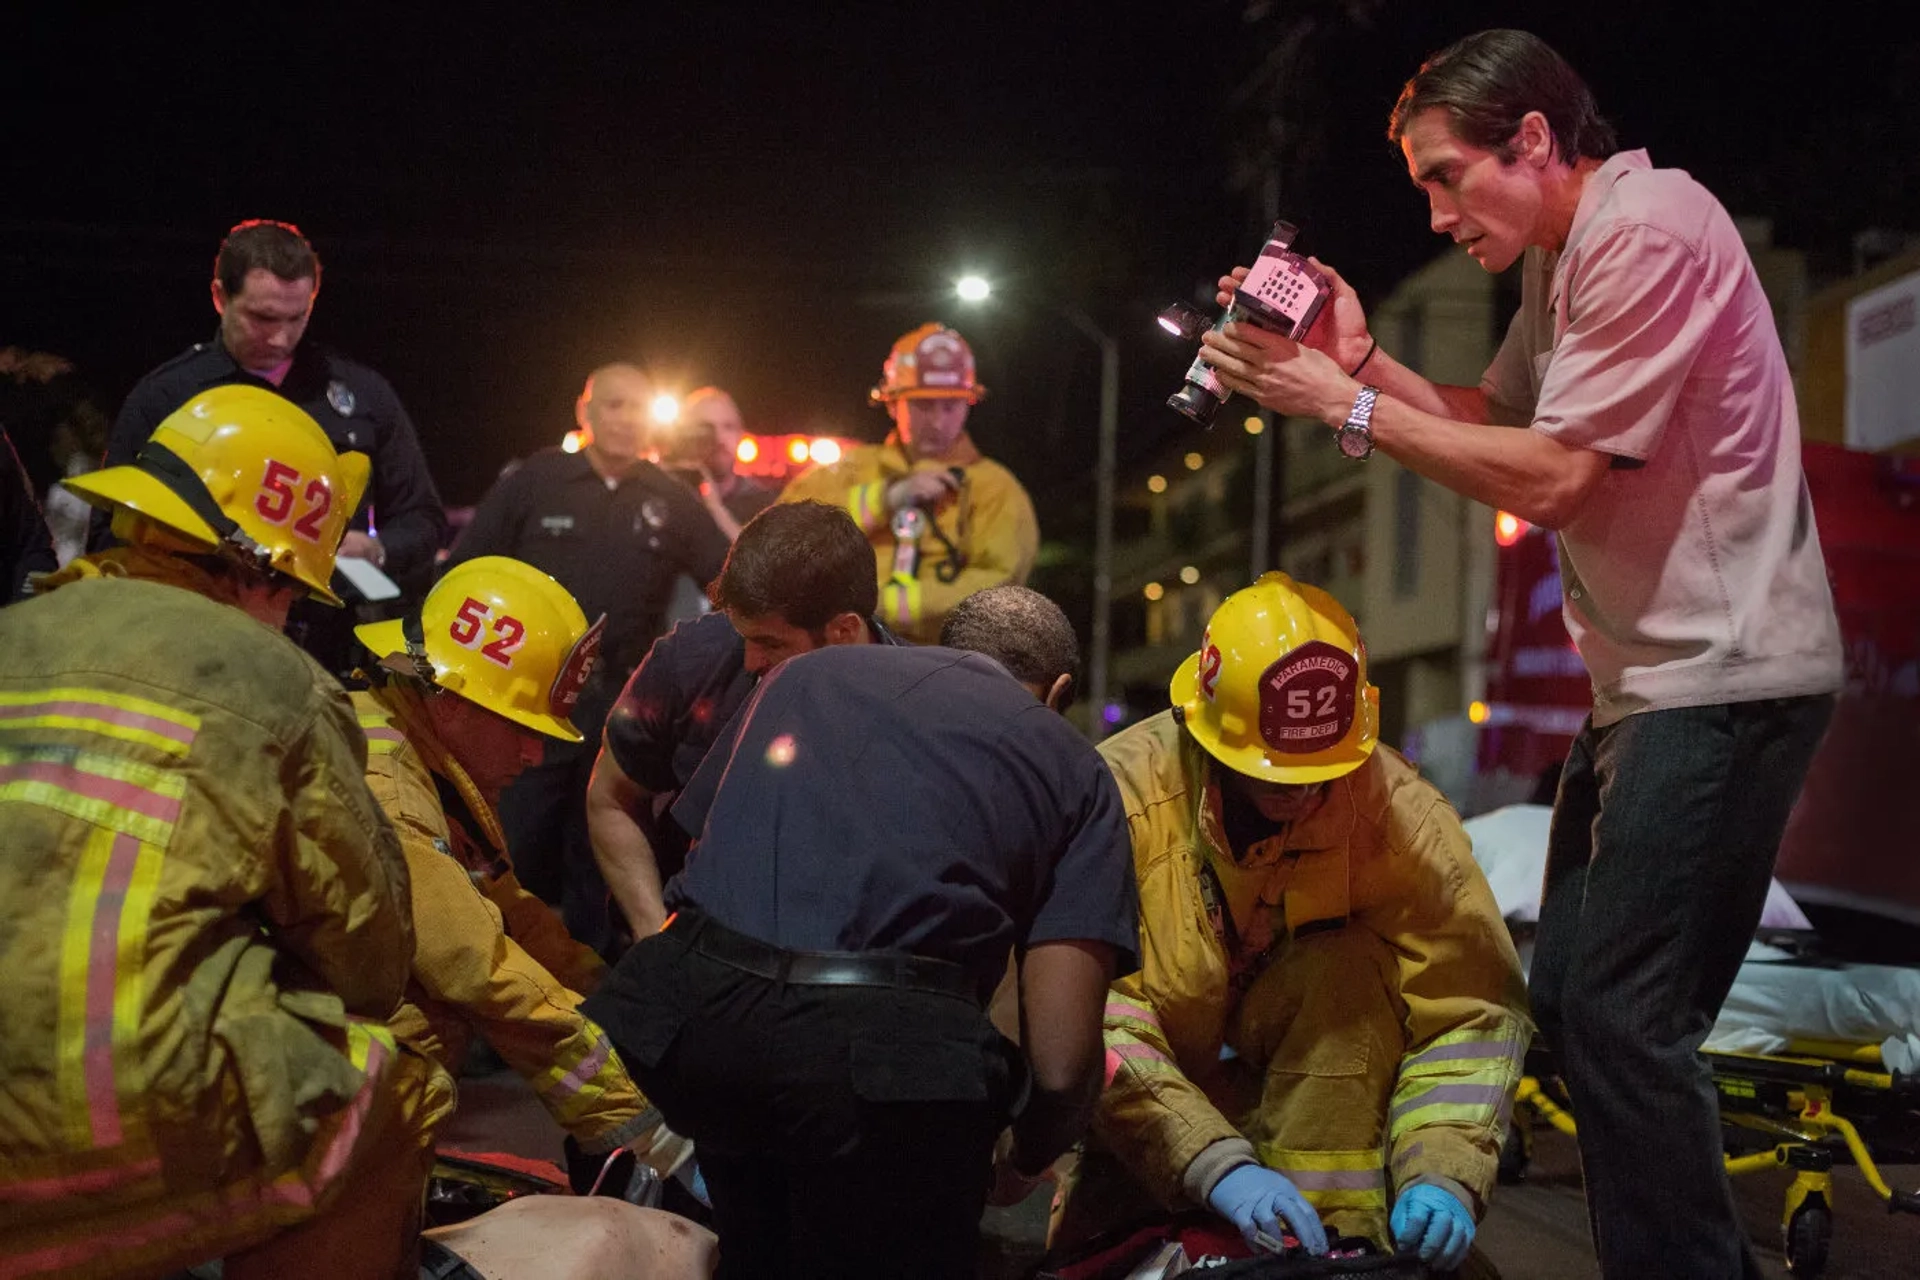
1354,442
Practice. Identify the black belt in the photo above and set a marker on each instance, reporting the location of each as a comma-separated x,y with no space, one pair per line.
895,969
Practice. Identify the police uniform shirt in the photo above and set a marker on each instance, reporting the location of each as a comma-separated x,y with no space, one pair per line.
357,408
911,799
679,702
617,546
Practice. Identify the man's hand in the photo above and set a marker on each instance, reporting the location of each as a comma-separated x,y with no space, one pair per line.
358,546
928,488
1340,330
1257,1200
1279,373
1433,1223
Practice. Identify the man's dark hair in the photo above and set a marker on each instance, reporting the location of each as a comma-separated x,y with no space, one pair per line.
805,561
1488,82
1021,630
275,246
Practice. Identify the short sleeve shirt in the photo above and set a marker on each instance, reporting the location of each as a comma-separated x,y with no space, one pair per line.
1693,574
917,800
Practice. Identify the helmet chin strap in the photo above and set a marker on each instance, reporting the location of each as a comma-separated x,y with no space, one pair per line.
171,470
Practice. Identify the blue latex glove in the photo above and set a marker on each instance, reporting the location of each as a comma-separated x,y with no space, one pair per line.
689,1176
1433,1223
1255,1198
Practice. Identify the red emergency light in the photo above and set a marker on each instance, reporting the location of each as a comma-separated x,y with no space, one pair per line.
1508,528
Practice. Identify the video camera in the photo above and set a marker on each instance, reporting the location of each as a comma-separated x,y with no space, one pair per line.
1283,292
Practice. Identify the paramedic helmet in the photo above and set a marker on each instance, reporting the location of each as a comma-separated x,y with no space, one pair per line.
241,472
931,362
501,634
1278,690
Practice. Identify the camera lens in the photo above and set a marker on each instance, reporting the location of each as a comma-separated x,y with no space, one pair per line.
1195,402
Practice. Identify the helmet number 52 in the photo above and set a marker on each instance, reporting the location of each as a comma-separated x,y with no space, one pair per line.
1300,703
470,623
275,500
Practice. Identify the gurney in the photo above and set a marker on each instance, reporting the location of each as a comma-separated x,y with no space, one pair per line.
1814,1062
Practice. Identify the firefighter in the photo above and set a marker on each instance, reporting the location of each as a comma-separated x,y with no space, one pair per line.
464,692
1310,904
944,520
206,919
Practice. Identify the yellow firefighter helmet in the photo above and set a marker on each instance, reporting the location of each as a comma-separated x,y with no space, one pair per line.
933,361
1278,690
240,471
499,633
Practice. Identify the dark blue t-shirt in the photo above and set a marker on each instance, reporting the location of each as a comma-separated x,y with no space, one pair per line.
911,799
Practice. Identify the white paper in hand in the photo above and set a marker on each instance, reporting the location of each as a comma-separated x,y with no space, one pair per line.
373,585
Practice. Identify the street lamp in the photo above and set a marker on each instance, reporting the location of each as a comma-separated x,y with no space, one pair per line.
976,289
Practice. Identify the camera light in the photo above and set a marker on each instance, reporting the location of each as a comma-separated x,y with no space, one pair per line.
824,451
749,450
665,408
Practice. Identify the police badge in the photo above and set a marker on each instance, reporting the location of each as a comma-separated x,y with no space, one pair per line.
340,396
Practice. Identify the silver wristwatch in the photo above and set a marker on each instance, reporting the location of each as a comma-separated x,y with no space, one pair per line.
1355,437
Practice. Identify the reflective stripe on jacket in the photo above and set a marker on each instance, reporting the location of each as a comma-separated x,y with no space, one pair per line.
991,522
468,973
196,891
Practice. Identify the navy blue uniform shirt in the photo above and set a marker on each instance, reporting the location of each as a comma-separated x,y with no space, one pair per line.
357,408
911,799
680,702
617,547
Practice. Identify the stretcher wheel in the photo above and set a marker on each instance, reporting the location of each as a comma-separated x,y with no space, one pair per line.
1809,1234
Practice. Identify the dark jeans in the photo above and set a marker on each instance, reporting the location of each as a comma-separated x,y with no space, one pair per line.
1664,835
842,1131
543,815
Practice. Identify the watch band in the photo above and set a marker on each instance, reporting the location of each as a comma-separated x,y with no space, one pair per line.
1355,436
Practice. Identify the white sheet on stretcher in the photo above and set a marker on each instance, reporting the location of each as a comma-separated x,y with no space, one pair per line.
1771,1002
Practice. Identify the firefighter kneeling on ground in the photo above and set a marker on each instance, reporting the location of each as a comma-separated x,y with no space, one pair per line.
464,692
1311,907
945,521
206,917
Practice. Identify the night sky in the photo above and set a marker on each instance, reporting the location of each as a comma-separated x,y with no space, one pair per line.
766,197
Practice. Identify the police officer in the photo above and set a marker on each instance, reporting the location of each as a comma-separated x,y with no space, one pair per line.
615,531
944,520
799,576
265,280
892,824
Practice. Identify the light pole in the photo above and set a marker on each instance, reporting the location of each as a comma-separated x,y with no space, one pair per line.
1100,646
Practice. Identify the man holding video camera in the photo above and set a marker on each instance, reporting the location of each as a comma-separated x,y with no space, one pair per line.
702,448
1658,437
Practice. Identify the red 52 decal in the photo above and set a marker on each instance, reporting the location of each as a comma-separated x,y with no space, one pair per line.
279,484
471,622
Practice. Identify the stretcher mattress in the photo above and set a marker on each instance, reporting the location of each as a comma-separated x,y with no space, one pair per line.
1775,1000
